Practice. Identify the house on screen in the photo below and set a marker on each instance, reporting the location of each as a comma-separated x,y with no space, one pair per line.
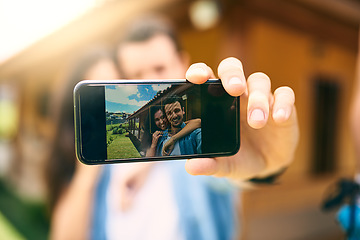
139,122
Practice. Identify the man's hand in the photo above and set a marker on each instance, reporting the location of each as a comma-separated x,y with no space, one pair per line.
268,121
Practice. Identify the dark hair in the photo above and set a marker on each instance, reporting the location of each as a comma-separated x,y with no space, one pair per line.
171,99
61,163
152,111
144,28
150,127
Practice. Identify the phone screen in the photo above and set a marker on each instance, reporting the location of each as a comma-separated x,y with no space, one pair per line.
154,120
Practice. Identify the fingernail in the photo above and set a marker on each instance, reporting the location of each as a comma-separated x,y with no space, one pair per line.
235,81
280,113
257,115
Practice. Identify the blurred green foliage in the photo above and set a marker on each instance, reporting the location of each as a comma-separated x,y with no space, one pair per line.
30,219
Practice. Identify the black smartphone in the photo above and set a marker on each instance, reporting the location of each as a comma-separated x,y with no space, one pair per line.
147,120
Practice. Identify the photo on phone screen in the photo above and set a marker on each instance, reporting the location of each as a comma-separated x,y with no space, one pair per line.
156,120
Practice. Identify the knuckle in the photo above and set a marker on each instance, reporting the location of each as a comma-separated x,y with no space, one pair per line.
259,82
258,76
285,92
284,89
230,64
258,96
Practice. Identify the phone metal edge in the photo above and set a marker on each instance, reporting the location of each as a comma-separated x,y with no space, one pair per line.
143,159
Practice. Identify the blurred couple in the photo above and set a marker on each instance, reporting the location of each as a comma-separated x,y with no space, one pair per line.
160,200
171,134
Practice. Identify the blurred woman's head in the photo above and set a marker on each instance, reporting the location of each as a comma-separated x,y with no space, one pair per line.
95,64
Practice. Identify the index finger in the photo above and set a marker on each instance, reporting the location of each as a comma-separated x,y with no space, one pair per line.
199,73
231,73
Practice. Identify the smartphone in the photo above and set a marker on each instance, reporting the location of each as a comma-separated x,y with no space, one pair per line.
152,120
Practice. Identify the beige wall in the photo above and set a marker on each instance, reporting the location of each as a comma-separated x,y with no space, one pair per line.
290,58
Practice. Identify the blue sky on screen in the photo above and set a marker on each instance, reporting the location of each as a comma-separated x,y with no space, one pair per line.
129,98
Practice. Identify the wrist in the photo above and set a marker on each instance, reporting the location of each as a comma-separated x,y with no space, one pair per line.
357,178
269,179
173,139
259,181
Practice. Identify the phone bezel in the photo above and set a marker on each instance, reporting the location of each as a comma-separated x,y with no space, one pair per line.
77,122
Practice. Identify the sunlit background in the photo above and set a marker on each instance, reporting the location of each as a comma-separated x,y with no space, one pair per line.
310,45
24,22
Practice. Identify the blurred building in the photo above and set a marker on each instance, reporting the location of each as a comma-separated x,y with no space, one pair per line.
308,45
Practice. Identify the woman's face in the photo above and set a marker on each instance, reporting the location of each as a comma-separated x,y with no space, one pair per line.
102,69
160,120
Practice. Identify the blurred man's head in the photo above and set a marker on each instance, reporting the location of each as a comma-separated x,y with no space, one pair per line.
150,49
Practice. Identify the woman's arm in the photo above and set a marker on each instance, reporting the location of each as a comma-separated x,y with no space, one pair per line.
191,125
72,213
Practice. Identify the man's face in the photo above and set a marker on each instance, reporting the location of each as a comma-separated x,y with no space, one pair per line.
160,120
174,113
156,58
